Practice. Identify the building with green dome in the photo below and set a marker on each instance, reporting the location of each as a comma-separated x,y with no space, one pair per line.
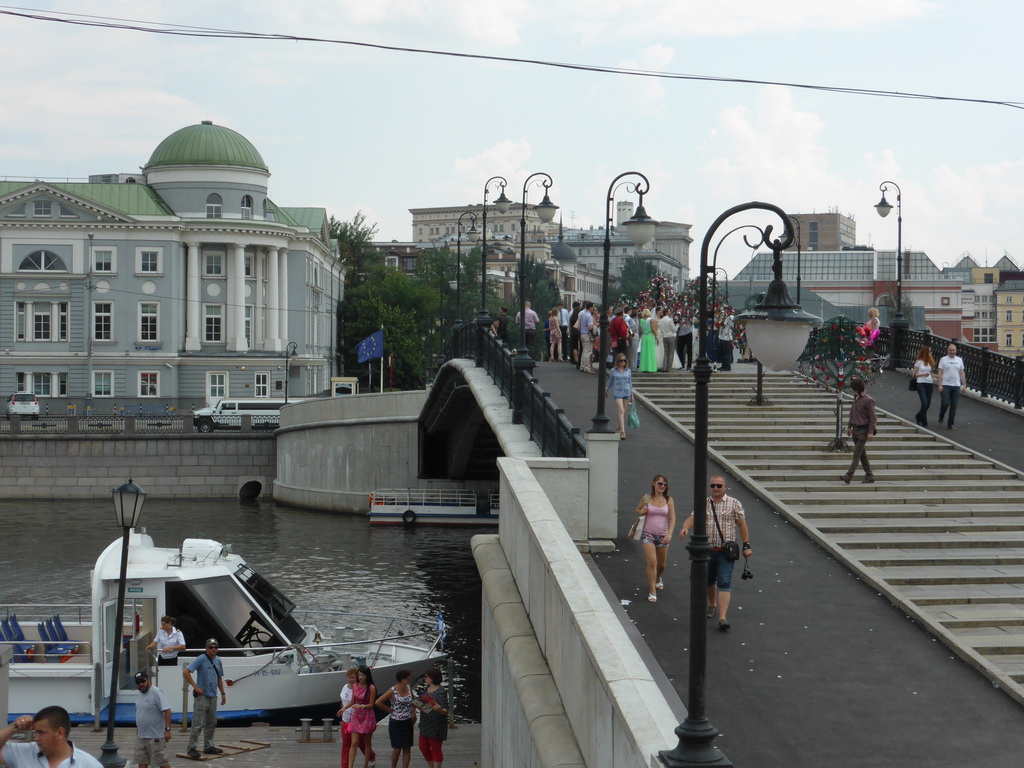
173,287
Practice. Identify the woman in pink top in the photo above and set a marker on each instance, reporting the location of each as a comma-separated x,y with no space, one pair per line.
658,526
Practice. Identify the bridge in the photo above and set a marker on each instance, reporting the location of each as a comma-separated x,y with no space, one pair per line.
878,615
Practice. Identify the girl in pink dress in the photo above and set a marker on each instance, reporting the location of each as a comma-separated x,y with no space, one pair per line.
659,523
364,719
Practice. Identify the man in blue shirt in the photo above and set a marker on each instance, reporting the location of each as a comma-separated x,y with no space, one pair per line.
587,337
209,677
153,721
50,746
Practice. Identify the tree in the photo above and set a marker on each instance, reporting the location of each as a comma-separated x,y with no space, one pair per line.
635,276
835,355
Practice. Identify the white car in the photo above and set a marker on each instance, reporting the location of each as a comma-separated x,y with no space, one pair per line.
23,404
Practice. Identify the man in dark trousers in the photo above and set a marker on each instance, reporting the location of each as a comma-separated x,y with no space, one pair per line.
574,332
861,428
208,679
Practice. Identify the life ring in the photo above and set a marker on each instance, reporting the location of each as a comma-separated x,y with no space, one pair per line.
408,517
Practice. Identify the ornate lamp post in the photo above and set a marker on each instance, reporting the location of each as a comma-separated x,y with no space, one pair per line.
641,229
899,322
785,321
472,235
523,360
483,320
290,353
128,501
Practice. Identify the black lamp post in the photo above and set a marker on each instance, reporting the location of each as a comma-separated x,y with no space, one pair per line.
472,235
785,321
641,229
290,352
899,322
483,320
523,360
128,501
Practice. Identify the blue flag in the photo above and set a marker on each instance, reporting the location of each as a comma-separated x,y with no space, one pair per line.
441,628
371,347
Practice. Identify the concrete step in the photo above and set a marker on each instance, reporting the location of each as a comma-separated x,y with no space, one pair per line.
920,525
825,478
893,511
861,493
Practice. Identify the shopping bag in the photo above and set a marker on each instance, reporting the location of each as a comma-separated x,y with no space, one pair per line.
633,419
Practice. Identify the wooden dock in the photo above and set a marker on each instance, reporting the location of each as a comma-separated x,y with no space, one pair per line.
284,750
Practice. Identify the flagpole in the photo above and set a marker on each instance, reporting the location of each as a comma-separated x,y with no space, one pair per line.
382,359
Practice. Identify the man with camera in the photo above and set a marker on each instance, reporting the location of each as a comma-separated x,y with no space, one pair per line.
724,516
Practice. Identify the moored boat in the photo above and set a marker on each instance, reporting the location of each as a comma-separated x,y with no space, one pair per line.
418,506
279,662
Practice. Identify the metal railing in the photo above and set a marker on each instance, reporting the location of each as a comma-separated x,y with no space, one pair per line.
994,375
127,424
546,423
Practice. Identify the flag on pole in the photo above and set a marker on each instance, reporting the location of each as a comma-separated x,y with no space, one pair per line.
441,628
371,347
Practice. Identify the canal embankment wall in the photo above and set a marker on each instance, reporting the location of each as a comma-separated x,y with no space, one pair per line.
166,466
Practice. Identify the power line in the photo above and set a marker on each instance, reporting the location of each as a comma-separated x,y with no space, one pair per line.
183,30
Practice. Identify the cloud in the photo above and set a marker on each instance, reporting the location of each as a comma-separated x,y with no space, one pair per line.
645,95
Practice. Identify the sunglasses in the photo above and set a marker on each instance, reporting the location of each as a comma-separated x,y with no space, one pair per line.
718,485
661,482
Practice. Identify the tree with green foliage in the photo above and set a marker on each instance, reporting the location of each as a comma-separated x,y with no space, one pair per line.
835,355
635,277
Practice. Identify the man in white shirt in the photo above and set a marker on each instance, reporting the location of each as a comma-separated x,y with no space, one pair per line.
667,334
951,379
50,746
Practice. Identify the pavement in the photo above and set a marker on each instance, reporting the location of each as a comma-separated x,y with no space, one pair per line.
819,667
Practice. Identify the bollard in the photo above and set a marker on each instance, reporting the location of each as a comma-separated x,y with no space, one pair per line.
306,723
328,728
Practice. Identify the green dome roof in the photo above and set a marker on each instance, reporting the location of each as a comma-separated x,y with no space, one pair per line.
206,144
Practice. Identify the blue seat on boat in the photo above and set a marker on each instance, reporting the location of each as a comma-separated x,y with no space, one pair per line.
59,625
22,650
58,635
50,648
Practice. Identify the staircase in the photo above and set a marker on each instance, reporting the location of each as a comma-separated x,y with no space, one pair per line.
940,532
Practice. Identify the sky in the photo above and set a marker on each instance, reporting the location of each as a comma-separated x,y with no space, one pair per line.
358,129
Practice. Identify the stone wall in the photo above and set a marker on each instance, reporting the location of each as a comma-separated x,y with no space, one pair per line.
172,466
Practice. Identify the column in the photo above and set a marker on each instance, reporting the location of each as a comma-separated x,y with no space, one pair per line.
193,331
282,288
236,300
257,299
273,303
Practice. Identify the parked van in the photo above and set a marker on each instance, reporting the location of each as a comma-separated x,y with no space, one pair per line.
228,413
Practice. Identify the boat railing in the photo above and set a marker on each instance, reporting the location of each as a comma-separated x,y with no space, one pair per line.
405,497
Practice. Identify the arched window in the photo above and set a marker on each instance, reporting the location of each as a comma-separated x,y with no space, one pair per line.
42,261
214,206
246,206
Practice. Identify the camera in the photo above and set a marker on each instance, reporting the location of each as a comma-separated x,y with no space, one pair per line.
747,574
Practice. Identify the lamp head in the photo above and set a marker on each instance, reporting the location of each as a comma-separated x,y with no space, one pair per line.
128,501
777,328
640,227
503,204
474,234
453,284
883,206
546,210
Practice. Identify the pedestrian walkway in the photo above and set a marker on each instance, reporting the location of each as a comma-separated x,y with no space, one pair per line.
820,666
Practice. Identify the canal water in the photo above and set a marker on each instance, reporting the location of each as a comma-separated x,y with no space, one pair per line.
320,561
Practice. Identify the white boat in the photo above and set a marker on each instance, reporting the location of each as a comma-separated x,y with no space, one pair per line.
419,506
279,663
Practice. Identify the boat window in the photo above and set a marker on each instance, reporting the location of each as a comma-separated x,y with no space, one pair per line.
272,600
222,610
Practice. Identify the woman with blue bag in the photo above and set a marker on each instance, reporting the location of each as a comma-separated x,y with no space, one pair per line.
620,384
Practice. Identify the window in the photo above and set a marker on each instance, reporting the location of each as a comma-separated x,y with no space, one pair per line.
42,261
1009,299
247,259
246,207
41,384
102,321
988,278
67,213
216,386
1009,341
103,260
213,264
42,208
62,384
42,321
148,325
248,325
149,383
945,301
213,325
214,206
103,383
261,384
1009,315
148,261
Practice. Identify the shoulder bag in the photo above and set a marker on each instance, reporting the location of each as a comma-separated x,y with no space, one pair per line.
633,419
732,548
913,384
636,532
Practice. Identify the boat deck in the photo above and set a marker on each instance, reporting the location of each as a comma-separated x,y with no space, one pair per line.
462,750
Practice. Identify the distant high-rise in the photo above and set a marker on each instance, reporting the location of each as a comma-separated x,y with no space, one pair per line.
830,231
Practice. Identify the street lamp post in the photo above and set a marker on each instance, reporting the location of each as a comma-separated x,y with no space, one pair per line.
523,360
899,323
290,352
641,228
128,501
483,320
472,235
696,733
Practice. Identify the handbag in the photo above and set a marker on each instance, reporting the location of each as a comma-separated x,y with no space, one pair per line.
636,531
913,384
633,419
731,549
